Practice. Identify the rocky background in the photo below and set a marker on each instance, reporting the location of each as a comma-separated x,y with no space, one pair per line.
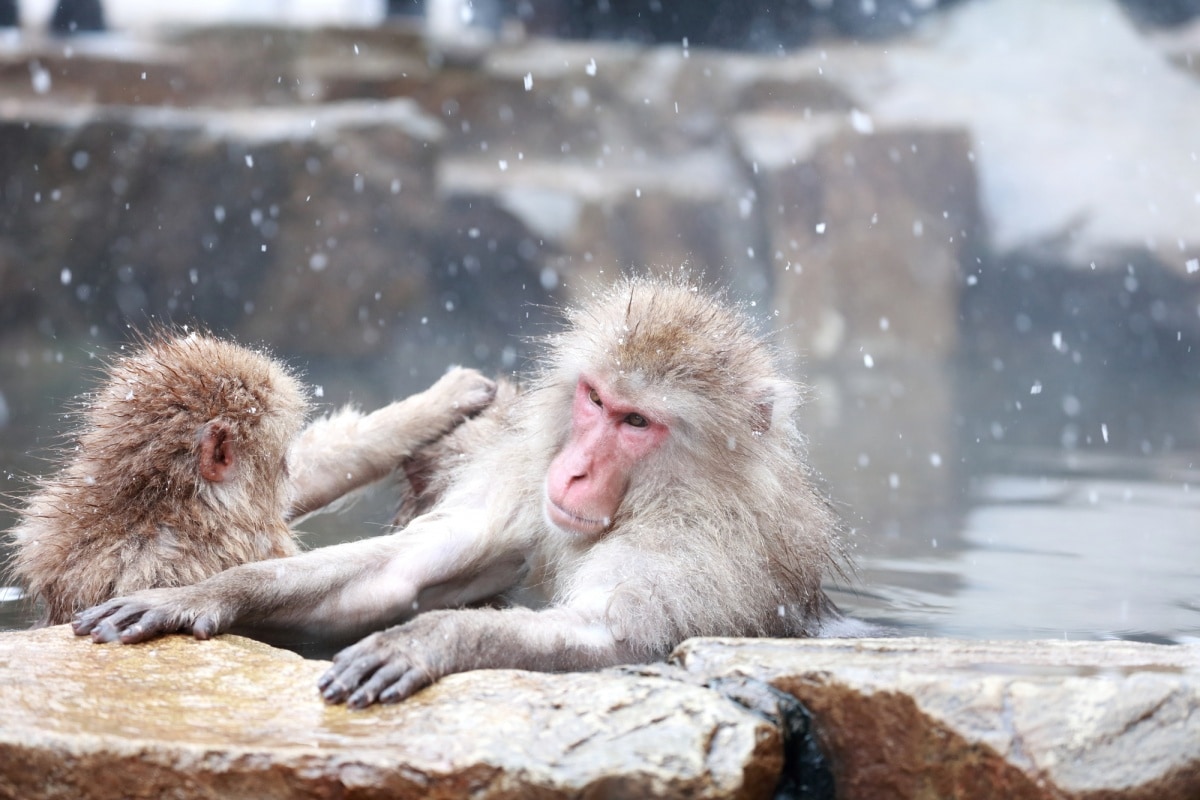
342,192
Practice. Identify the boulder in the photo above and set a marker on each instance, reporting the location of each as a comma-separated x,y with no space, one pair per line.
937,718
858,218
236,218
232,718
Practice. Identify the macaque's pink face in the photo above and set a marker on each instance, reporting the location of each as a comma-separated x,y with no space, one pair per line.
588,478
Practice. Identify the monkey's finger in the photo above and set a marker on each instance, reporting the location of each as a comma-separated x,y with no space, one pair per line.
106,632
341,660
335,692
384,678
205,627
337,684
478,398
108,621
153,622
85,621
365,650
413,681
467,390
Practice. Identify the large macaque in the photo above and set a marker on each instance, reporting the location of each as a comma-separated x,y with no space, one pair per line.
649,486
182,469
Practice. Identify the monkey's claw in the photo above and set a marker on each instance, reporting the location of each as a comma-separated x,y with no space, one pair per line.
145,615
377,669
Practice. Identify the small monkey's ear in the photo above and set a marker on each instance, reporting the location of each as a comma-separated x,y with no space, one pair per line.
773,400
217,451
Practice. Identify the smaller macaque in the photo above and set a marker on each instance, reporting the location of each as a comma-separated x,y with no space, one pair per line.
190,459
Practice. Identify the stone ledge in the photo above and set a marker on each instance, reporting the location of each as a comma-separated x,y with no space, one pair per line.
233,718
946,718
897,718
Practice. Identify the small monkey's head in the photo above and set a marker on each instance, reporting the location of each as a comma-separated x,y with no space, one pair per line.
667,385
185,411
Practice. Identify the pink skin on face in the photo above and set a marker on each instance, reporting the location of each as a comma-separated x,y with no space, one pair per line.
588,478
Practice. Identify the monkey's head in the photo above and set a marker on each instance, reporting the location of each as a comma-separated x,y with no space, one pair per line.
660,376
190,413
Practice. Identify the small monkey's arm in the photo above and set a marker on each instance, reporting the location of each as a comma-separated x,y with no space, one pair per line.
394,664
440,560
348,450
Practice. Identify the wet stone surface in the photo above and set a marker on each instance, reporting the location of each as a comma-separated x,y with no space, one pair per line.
950,718
234,718
895,718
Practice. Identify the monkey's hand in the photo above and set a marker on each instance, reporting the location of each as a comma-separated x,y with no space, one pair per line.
464,390
393,664
147,614
346,451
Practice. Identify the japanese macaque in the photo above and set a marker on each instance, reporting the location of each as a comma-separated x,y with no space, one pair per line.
182,469
649,486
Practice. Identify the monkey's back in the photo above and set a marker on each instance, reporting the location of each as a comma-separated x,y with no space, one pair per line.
69,561
130,508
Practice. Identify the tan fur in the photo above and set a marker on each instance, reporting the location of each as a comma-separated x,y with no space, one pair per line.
130,510
426,475
338,454
720,531
721,534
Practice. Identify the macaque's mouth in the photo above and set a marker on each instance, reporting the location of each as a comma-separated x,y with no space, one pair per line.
575,523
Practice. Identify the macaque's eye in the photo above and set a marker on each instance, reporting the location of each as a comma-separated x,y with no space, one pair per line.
594,396
636,420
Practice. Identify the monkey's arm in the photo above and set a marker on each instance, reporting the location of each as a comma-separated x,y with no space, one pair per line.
394,664
440,560
338,454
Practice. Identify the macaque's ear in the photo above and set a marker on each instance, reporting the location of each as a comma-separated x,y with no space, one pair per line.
217,451
773,400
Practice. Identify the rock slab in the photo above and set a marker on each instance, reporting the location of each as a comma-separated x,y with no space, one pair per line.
232,718
896,718
937,718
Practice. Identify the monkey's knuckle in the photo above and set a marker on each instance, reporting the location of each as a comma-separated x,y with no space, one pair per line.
481,396
471,383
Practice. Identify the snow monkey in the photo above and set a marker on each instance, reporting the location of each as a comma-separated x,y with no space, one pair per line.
649,485
182,469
